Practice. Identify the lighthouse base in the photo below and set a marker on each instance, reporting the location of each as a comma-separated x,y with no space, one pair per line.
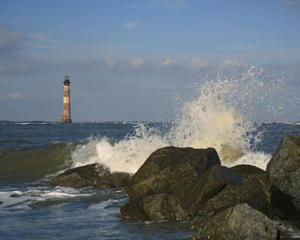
66,121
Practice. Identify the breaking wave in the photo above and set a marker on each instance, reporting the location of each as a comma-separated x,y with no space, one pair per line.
33,163
220,117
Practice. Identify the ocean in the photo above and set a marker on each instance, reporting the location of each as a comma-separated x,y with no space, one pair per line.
31,153
219,115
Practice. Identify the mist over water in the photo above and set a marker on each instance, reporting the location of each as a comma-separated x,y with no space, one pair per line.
220,116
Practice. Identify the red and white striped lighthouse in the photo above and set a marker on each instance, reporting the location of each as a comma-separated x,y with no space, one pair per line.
66,116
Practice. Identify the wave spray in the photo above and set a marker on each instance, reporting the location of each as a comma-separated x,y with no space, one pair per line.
220,117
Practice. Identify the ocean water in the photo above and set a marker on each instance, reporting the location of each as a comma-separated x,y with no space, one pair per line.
33,152
219,115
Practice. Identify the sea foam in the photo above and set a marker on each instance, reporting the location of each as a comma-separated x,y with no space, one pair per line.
14,199
219,117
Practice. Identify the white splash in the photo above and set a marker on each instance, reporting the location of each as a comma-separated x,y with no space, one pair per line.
219,117
125,156
21,200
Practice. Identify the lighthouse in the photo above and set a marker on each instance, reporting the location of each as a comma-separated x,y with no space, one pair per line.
66,116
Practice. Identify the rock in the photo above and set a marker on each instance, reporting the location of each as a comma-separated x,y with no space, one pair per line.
196,221
283,206
91,175
155,207
116,179
284,174
175,183
240,222
171,170
167,206
254,191
209,184
245,170
134,211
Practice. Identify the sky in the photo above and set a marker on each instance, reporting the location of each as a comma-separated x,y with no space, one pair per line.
127,59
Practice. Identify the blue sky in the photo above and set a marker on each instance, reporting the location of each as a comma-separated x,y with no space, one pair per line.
127,59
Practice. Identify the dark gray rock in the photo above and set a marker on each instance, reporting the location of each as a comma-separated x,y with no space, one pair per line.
134,211
284,174
196,221
174,183
91,175
171,170
155,207
245,170
254,191
209,184
283,207
240,222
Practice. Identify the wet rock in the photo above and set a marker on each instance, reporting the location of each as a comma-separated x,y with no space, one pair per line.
210,183
240,222
254,191
171,170
245,170
174,183
283,206
91,175
196,221
284,174
134,211
162,206
155,207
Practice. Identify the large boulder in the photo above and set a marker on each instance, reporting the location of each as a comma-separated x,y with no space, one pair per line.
210,183
284,174
245,170
171,169
254,191
174,183
91,175
240,222
155,207
162,206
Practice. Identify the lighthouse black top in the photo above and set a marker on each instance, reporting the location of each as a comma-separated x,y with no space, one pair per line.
67,82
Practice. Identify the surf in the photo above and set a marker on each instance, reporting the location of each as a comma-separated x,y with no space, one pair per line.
29,164
220,116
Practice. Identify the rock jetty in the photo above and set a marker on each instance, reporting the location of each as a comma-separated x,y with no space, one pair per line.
94,175
238,222
242,202
177,179
284,175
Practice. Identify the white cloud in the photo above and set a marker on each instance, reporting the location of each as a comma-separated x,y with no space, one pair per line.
16,96
38,37
291,3
227,63
42,46
166,4
176,4
43,41
136,62
198,64
167,62
235,48
10,42
90,62
188,34
111,62
129,25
